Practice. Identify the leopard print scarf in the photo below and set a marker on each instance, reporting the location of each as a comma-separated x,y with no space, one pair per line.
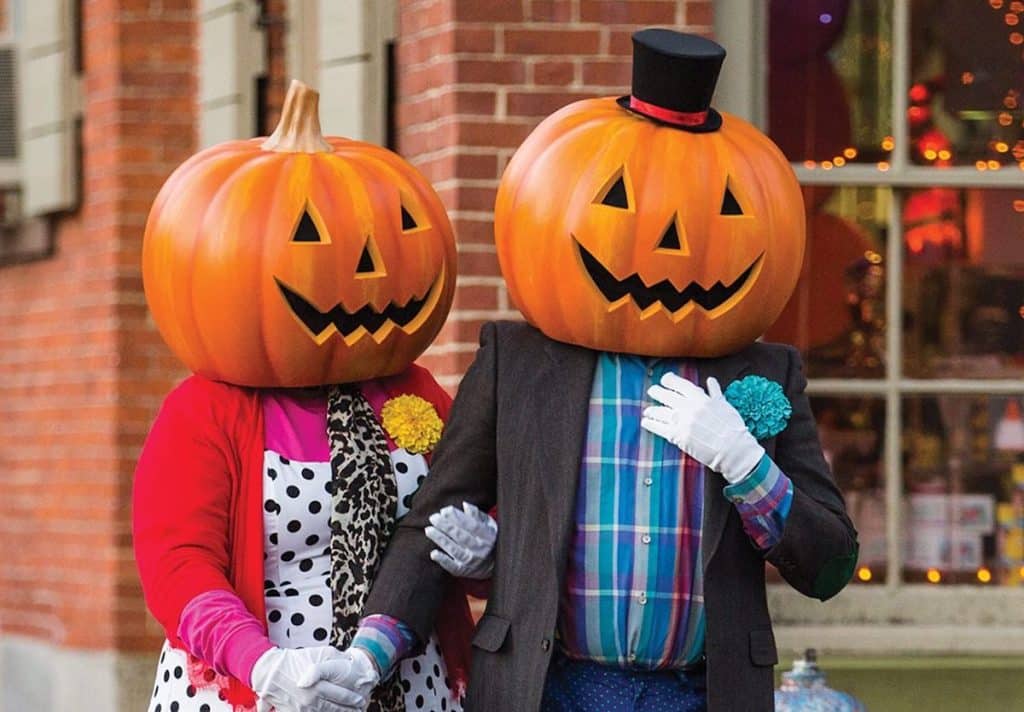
364,502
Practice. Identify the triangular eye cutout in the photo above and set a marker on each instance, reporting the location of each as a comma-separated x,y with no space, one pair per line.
366,264
670,240
408,223
306,231
730,206
616,196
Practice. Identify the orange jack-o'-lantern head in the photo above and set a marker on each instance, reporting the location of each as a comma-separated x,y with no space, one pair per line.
651,224
298,260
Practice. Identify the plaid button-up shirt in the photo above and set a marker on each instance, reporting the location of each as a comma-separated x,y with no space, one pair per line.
634,588
634,585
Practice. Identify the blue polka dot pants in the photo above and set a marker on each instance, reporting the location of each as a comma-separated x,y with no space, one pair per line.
581,686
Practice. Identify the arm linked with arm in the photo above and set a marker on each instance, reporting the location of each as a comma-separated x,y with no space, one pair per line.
409,585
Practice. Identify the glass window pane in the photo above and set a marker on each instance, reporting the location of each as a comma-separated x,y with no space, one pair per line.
963,284
851,431
963,478
830,79
966,83
836,316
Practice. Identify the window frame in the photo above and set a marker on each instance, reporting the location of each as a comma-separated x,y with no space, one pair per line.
988,623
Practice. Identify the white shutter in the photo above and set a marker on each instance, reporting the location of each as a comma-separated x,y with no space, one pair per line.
46,108
353,80
10,173
231,56
302,35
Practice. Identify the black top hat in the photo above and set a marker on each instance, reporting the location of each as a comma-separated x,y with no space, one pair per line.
674,77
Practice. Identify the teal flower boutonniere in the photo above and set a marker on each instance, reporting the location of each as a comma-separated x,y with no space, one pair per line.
762,404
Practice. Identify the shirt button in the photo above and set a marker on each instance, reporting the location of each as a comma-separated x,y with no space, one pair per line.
643,599
545,645
632,657
650,373
648,481
646,538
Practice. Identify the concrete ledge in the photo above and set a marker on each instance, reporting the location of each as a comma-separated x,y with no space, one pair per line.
39,677
876,640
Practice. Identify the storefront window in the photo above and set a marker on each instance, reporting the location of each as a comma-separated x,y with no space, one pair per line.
836,316
830,65
907,134
963,285
852,432
965,96
964,490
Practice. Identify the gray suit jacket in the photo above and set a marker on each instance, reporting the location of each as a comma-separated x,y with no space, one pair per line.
515,439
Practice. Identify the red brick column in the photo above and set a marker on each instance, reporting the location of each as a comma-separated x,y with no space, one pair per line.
82,369
474,78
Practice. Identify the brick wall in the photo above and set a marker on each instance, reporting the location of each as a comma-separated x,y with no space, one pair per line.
82,369
474,78
81,366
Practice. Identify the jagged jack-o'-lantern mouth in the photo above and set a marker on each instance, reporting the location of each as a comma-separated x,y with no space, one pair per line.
352,326
664,293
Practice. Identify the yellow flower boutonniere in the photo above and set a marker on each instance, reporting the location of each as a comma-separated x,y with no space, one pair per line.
412,423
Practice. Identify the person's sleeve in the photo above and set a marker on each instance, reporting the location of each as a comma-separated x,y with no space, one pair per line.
181,501
763,500
817,552
409,586
386,640
217,628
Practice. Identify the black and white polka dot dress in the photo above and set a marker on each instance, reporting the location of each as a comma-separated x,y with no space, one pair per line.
296,525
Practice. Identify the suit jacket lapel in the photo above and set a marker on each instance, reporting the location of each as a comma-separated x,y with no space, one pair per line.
716,507
562,388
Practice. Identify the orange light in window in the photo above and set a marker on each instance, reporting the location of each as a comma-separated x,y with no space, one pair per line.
888,143
1016,38
931,154
864,573
1002,147
883,165
945,155
1011,19
967,78
994,165
827,165
981,165
873,257
1018,205
996,4
984,575
1005,118
1010,102
809,164
1017,6
933,576
839,161
850,152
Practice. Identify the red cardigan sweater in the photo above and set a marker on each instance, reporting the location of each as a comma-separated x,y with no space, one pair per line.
198,517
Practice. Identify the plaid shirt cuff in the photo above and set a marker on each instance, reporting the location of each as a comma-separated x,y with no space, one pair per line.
386,640
763,500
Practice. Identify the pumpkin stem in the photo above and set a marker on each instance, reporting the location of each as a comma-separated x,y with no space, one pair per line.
298,131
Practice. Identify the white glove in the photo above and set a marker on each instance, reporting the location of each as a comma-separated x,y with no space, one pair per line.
281,680
703,425
351,670
466,539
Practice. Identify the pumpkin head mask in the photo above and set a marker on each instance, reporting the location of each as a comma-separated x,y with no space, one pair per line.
298,260
651,225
